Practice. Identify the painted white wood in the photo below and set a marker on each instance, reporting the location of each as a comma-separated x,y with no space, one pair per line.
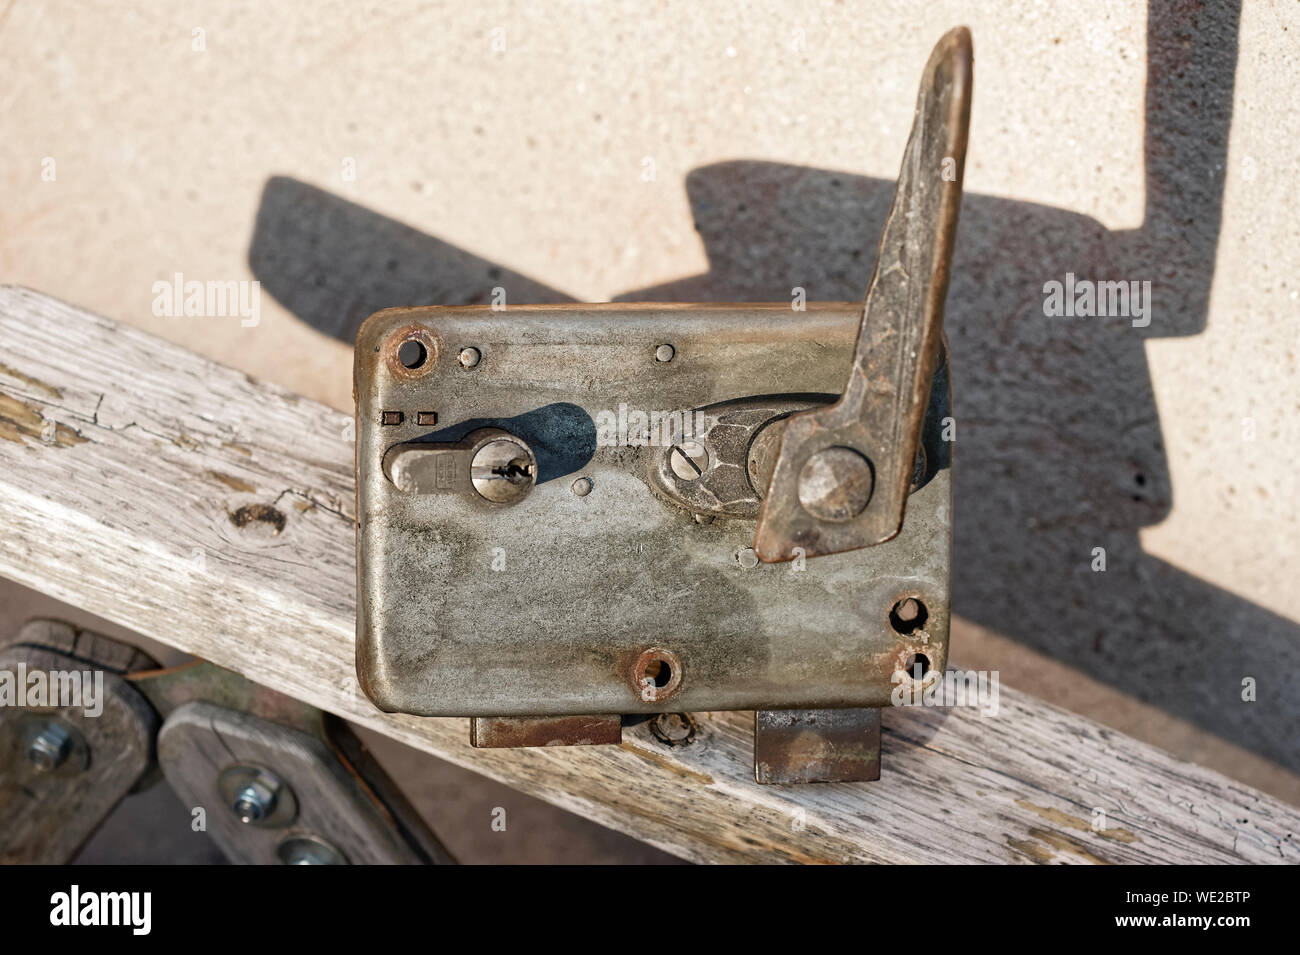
125,463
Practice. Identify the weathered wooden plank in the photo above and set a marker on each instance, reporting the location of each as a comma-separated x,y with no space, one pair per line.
214,513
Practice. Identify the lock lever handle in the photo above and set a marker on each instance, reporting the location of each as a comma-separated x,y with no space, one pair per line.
842,473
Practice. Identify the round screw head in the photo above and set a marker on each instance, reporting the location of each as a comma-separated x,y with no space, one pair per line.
688,460
582,486
503,471
747,558
665,353
836,484
308,850
674,729
49,748
469,357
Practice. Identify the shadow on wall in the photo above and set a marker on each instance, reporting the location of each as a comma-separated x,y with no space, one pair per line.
1059,446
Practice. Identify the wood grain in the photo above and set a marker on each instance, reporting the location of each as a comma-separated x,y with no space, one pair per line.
214,513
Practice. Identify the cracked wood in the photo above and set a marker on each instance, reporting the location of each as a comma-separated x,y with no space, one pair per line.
126,462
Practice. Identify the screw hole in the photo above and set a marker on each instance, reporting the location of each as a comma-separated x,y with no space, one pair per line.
656,675
658,672
908,615
918,665
412,354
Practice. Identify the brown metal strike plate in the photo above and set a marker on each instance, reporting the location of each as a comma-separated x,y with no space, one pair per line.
816,746
573,515
517,732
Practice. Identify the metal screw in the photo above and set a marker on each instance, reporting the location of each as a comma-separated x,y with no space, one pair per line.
309,850
469,357
254,802
674,729
502,471
581,487
688,460
665,353
49,748
836,484
747,558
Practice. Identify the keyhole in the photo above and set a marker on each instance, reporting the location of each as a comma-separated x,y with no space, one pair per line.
516,471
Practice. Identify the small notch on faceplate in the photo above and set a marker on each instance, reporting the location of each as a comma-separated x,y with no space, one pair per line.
426,418
390,417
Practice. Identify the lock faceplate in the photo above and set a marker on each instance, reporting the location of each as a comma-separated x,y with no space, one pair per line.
560,602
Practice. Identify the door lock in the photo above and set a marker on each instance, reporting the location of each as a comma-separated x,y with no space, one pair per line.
619,511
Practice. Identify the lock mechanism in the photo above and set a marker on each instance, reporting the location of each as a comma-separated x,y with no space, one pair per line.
573,515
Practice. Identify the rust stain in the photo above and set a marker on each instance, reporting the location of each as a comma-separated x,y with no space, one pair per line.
667,763
512,732
237,448
304,506
258,514
1068,844
29,380
186,443
1057,817
234,483
1034,851
20,420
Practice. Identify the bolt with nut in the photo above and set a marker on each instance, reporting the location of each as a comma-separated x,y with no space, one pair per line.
255,802
49,748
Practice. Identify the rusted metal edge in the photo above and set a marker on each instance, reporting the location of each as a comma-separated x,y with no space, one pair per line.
511,732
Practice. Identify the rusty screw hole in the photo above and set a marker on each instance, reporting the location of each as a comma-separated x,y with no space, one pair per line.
908,615
657,672
657,675
412,354
918,665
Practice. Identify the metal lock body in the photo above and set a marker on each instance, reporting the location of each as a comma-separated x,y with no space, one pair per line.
587,510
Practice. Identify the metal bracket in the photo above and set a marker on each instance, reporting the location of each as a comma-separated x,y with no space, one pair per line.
278,779
75,737
275,794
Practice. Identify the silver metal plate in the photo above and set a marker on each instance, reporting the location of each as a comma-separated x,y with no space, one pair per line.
554,604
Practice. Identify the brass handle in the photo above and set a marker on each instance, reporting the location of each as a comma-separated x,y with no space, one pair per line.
842,473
